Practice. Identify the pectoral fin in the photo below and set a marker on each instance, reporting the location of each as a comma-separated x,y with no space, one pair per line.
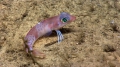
60,36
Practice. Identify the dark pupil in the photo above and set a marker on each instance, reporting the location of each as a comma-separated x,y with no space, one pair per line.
64,20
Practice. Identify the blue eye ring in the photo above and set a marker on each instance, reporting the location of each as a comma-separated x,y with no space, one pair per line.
64,17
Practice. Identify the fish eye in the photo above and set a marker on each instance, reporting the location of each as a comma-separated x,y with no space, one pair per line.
64,20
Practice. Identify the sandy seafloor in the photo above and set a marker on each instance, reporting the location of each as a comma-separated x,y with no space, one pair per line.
92,40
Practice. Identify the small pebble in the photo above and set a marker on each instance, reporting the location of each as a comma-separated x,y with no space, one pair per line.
2,38
77,43
111,57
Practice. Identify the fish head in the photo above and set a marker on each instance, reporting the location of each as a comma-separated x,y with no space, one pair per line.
66,18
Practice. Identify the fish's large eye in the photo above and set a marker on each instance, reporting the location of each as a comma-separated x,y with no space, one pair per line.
64,20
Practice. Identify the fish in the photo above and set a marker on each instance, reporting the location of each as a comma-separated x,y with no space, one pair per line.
46,27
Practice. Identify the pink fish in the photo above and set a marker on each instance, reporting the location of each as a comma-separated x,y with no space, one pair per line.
45,27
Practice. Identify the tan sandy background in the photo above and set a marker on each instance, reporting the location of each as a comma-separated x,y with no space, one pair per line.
92,40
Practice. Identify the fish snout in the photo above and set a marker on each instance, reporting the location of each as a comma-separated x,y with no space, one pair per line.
73,18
